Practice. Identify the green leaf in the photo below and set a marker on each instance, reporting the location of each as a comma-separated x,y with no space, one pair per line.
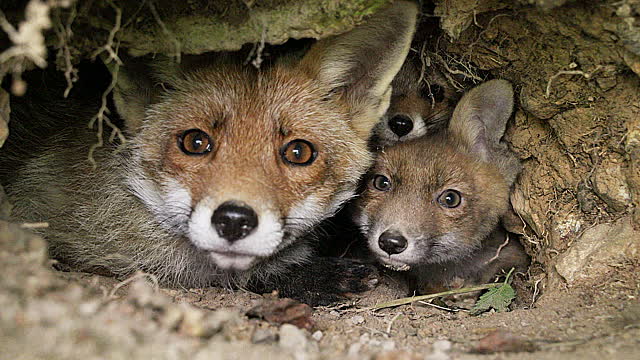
498,298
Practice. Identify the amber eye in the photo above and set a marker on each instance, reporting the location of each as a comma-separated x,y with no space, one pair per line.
450,198
381,182
194,142
298,152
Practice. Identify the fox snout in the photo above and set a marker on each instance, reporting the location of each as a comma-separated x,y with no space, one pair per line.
234,221
392,242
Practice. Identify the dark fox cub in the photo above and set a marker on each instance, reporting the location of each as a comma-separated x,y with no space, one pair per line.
419,104
225,168
433,205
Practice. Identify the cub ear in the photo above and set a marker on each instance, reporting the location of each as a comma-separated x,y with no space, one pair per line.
480,118
358,66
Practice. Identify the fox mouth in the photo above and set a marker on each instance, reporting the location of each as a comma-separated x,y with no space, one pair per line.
394,264
230,260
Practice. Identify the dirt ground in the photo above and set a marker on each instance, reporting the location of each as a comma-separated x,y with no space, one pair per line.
576,70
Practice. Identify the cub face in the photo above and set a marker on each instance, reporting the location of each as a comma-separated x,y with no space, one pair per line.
428,202
436,198
419,105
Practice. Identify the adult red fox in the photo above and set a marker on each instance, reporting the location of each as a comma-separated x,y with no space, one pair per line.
225,167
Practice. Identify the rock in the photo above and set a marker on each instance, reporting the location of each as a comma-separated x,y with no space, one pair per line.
598,246
610,185
317,336
503,341
633,61
292,338
357,320
283,311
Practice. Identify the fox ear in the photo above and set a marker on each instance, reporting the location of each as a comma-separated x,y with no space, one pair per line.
358,66
480,118
139,83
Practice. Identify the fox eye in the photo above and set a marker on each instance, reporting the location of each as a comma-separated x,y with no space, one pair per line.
194,142
450,199
298,152
381,182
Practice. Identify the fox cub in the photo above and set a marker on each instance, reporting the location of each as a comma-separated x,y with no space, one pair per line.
433,205
225,167
419,104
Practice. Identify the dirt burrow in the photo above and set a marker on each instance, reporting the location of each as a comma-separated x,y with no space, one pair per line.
577,197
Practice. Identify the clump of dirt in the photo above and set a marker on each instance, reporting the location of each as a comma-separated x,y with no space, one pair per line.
577,131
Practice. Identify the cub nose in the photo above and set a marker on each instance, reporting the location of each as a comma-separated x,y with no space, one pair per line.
234,222
392,242
401,125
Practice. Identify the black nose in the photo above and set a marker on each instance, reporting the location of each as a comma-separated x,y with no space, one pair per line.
392,242
234,222
401,125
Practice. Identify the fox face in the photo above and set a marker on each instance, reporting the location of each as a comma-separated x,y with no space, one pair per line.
242,175
419,104
241,162
435,199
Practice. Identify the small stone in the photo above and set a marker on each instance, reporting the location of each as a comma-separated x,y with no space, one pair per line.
357,319
589,255
263,336
317,336
354,349
442,345
388,345
609,184
292,338
334,313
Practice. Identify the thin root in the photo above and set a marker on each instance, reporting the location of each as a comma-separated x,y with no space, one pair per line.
505,243
138,275
587,76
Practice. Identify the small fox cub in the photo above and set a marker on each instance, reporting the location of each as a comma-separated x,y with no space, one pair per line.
419,105
225,167
433,205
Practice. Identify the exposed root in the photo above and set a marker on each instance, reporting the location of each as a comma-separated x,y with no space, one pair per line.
64,34
467,73
109,46
136,276
587,76
256,51
36,225
164,28
505,243
101,119
28,41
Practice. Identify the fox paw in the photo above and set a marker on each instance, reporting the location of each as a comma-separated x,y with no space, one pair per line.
329,280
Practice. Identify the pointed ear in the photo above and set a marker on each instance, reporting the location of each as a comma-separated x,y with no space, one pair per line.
139,83
358,66
480,118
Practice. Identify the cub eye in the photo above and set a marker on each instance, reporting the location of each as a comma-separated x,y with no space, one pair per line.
382,183
299,152
450,198
194,142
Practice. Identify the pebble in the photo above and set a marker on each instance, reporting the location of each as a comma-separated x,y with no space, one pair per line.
292,338
357,320
317,336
